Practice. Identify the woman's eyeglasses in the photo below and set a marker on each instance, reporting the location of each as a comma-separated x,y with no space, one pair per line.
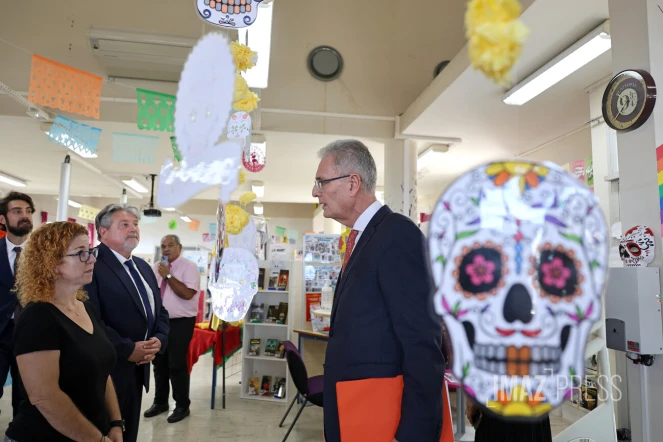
84,255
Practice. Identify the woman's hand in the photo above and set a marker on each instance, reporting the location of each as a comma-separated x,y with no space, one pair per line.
115,434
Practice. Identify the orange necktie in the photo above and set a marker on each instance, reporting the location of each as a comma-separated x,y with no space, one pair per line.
349,246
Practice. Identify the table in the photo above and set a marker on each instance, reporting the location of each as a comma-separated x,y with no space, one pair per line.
309,334
223,344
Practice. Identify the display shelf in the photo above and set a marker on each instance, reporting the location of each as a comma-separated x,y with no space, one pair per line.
260,365
265,358
264,324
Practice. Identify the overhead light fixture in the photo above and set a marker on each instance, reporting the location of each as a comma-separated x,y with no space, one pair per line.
573,58
258,209
169,209
185,218
12,181
135,185
259,38
258,187
427,155
72,203
39,114
46,127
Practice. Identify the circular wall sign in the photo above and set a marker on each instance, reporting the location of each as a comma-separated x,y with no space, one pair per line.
629,99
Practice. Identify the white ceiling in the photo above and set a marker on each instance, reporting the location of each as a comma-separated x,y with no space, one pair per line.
389,62
471,107
375,81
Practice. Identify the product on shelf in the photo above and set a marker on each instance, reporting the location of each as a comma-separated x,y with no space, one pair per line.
254,386
254,349
270,347
280,350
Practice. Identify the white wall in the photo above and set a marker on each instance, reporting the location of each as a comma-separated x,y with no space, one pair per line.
152,232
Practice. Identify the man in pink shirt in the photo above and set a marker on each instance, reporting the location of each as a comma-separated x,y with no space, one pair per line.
179,281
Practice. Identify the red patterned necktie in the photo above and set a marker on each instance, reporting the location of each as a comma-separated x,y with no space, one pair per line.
349,246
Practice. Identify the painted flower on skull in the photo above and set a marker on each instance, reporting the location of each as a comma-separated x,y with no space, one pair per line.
530,175
555,274
480,271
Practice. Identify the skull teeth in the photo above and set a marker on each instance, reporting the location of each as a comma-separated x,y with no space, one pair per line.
522,361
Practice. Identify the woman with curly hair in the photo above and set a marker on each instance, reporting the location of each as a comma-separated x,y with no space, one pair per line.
63,354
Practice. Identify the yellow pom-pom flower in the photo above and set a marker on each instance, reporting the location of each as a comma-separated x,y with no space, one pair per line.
246,198
496,37
236,219
247,103
245,58
242,176
241,88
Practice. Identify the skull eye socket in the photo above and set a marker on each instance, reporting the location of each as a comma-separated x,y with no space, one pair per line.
480,270
634,249
558,275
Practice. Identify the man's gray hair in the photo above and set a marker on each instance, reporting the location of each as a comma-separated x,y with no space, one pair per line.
352,156
105,217
175,237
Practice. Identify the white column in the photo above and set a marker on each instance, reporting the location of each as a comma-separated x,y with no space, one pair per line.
63,201
637,43
400,177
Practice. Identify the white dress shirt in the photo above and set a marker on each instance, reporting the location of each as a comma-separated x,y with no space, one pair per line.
364,219
11,254
150,295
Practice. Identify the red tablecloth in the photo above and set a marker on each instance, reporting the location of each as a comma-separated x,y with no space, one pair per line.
203,340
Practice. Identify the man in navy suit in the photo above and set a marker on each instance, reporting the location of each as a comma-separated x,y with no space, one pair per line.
16,211
382,325
127,297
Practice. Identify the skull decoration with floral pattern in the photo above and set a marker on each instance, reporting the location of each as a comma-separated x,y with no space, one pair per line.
228,13
519,254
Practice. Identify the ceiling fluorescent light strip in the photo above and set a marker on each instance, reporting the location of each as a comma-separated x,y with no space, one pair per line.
573,58
185,218
12,181
259,39
135,185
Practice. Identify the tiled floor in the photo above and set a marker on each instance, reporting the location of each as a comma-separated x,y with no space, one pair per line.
241,421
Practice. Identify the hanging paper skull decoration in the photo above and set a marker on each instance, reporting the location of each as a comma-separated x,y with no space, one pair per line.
253,157
637,247
228,13
234,285
519,254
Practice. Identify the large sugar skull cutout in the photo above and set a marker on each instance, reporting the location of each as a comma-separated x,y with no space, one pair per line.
637,247
518,252
229,13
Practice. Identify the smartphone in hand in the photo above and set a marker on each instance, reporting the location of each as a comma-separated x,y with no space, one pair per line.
164,260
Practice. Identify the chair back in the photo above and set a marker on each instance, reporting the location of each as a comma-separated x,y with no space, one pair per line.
297,368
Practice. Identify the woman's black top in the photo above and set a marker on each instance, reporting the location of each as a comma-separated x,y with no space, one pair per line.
86,361
493,429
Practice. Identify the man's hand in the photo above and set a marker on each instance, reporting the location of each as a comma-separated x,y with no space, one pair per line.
116,434
144,352
163,270
153,343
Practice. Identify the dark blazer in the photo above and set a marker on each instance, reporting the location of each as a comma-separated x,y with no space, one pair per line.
383,325
120,308
8,299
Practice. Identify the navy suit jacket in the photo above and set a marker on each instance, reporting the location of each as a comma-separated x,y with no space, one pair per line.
118,304
8,299
383,325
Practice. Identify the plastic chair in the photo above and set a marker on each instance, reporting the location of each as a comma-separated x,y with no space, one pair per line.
308,388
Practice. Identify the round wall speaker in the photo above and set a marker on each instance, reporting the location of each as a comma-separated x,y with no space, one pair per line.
325,63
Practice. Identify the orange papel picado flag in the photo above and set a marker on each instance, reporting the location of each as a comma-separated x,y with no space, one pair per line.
59,86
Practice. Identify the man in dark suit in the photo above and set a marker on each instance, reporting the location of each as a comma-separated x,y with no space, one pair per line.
16,211
382,325
127,297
